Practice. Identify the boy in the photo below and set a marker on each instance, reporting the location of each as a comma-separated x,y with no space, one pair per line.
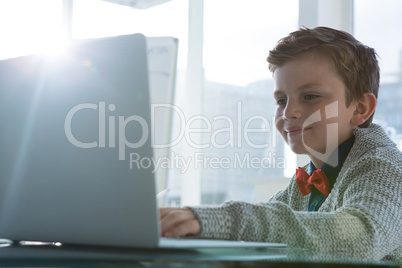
326,85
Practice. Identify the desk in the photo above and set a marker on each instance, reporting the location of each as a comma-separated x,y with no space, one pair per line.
16,255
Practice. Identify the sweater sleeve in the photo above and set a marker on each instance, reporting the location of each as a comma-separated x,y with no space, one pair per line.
365,223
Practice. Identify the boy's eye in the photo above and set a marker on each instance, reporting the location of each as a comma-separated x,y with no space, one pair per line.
310,97
281,102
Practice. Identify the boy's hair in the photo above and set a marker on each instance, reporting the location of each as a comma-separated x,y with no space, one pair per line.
355,63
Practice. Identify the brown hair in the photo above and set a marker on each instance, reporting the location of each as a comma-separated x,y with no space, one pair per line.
355,63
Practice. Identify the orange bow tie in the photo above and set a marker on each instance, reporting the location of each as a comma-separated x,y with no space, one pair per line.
306,182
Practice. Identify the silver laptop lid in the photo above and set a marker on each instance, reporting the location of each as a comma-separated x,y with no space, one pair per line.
68,128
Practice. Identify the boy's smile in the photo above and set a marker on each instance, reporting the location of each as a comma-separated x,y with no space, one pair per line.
311,113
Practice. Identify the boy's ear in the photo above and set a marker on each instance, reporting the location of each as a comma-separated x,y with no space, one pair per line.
365,107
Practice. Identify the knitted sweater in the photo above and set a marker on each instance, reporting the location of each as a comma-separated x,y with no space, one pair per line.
362,216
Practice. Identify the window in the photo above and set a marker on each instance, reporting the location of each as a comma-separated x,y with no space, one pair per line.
378,25
244,159
30,26
96,18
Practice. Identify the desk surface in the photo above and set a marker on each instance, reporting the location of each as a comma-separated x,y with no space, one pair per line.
49,255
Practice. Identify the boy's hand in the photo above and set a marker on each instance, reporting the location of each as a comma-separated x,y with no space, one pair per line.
176,222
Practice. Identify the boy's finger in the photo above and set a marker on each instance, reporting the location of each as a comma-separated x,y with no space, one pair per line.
174,218
164,211
185,228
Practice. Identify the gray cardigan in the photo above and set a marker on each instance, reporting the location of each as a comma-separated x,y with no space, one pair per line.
362,216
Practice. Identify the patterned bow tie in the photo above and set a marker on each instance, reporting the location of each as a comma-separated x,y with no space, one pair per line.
306,182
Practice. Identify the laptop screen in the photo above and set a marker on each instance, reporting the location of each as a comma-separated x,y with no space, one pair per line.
70,125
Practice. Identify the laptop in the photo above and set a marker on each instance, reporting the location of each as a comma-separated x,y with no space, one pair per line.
76,151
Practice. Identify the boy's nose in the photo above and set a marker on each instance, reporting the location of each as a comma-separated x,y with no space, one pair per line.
291,111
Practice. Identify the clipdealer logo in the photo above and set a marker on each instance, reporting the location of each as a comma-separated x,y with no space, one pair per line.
330,156
236,132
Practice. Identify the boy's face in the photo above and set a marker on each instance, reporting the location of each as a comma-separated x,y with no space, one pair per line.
311,112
